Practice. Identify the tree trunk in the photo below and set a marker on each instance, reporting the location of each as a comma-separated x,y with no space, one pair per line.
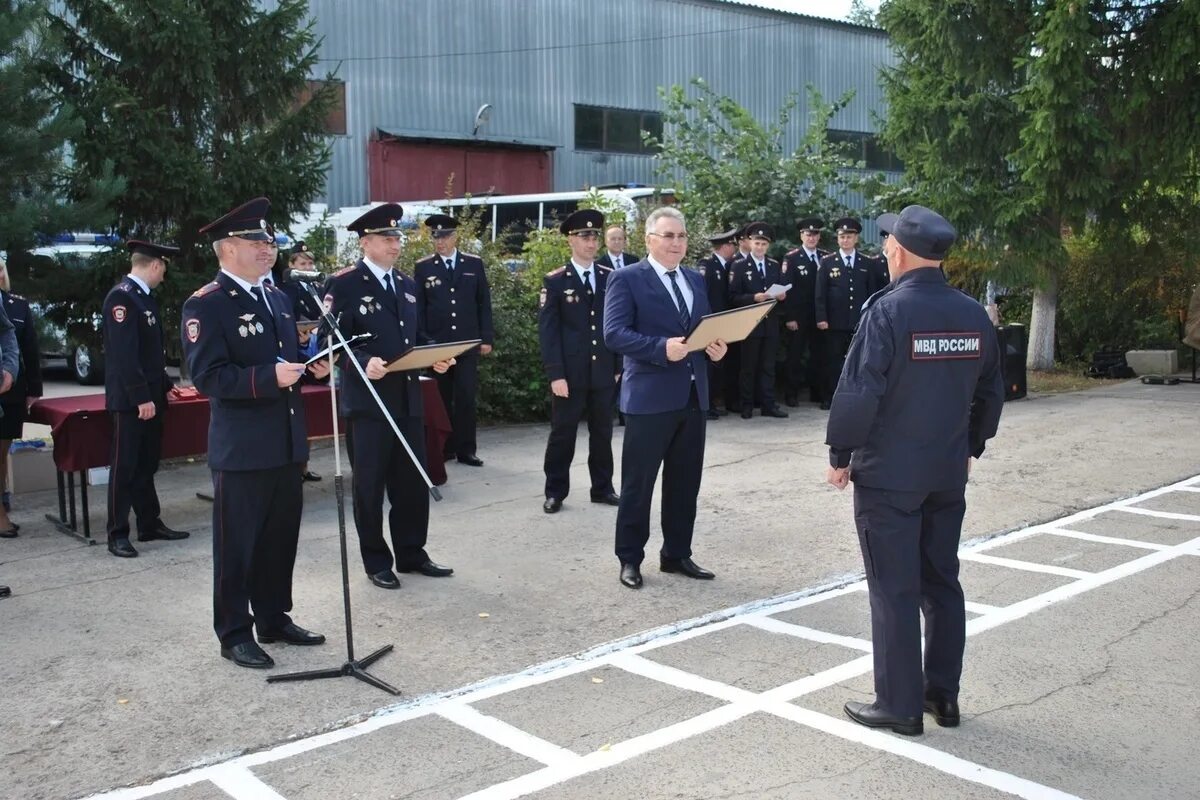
1041,326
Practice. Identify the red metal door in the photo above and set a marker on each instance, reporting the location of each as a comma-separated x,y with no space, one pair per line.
400,170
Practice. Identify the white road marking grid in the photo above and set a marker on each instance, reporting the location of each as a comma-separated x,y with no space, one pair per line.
235,778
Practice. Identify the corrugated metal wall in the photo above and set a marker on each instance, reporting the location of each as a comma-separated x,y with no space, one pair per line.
428,65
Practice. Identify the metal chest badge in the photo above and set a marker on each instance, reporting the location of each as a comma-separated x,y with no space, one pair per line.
249,327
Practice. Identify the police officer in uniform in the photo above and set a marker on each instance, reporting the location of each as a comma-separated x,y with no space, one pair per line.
920,396
799,312
239,339
748,282
374,297
455,303
299,258
844,283
583,372
715,268
135,395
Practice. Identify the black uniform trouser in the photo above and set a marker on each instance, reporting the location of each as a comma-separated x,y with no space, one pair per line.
256,525
381,466
801,365
459,387
716,382
136,447
673,440
594,405
909,542
837,344
758,370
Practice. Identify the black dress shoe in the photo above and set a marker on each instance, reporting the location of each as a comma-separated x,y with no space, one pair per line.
824,406
248,654
873,717
161,531
776,412
385,580
720,412
685,566
609,499
747,414
471,460
945,712
310,476
791,401
429,569
552,505
5,591
121,548
291,634
11,533
631,576
712,414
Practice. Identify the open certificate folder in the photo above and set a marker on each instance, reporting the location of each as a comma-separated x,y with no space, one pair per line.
733,325
429,354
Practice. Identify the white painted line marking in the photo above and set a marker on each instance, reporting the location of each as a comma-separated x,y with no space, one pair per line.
1188,489
821,680
1092,537
509,736
680,679
1027,566
631,748
1149,512
242,784
801,632
920,753
980,608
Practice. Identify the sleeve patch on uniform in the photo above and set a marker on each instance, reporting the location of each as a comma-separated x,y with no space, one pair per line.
192,327
946,346
542,298
118,313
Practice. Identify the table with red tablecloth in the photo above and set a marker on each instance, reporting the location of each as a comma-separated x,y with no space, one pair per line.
82,432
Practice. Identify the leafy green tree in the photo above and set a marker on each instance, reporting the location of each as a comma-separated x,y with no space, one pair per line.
42,193
861,13
729,168
199,106
1029,123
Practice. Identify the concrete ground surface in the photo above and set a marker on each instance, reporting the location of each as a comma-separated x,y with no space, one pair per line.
533,673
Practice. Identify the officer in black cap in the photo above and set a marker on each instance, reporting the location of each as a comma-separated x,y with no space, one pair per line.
135,395
583,372
749,280
743,241
920,396
239,339
799,312
715,267
299,258
376,298
455,304
844,283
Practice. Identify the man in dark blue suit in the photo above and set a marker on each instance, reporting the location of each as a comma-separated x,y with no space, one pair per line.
651,308
239,339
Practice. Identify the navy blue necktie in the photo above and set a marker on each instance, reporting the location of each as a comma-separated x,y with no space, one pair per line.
685,318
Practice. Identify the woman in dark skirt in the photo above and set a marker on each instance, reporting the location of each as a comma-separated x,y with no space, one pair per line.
27,387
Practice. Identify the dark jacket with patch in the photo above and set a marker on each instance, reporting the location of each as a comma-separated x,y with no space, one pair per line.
453,304
28,381
135,361
571,329
232,344
365,307
921,391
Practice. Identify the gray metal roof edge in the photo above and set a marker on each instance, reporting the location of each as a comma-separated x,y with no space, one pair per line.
397,132
748,5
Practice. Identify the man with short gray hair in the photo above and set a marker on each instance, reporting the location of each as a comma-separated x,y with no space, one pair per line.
650,309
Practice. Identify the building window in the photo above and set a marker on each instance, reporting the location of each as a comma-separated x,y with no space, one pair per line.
335,118
867,148
616,130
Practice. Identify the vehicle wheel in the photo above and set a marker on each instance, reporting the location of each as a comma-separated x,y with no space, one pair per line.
86,365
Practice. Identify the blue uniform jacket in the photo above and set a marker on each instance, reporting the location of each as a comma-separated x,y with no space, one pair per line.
454,305
135,362
800,272
745,282
571,330
28,381
639,316
364,307
921,391
232,344
839,293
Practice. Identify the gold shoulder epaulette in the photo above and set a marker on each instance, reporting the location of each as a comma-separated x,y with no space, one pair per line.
207,288
554,272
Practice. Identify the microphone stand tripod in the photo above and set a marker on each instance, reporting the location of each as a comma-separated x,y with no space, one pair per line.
352,667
